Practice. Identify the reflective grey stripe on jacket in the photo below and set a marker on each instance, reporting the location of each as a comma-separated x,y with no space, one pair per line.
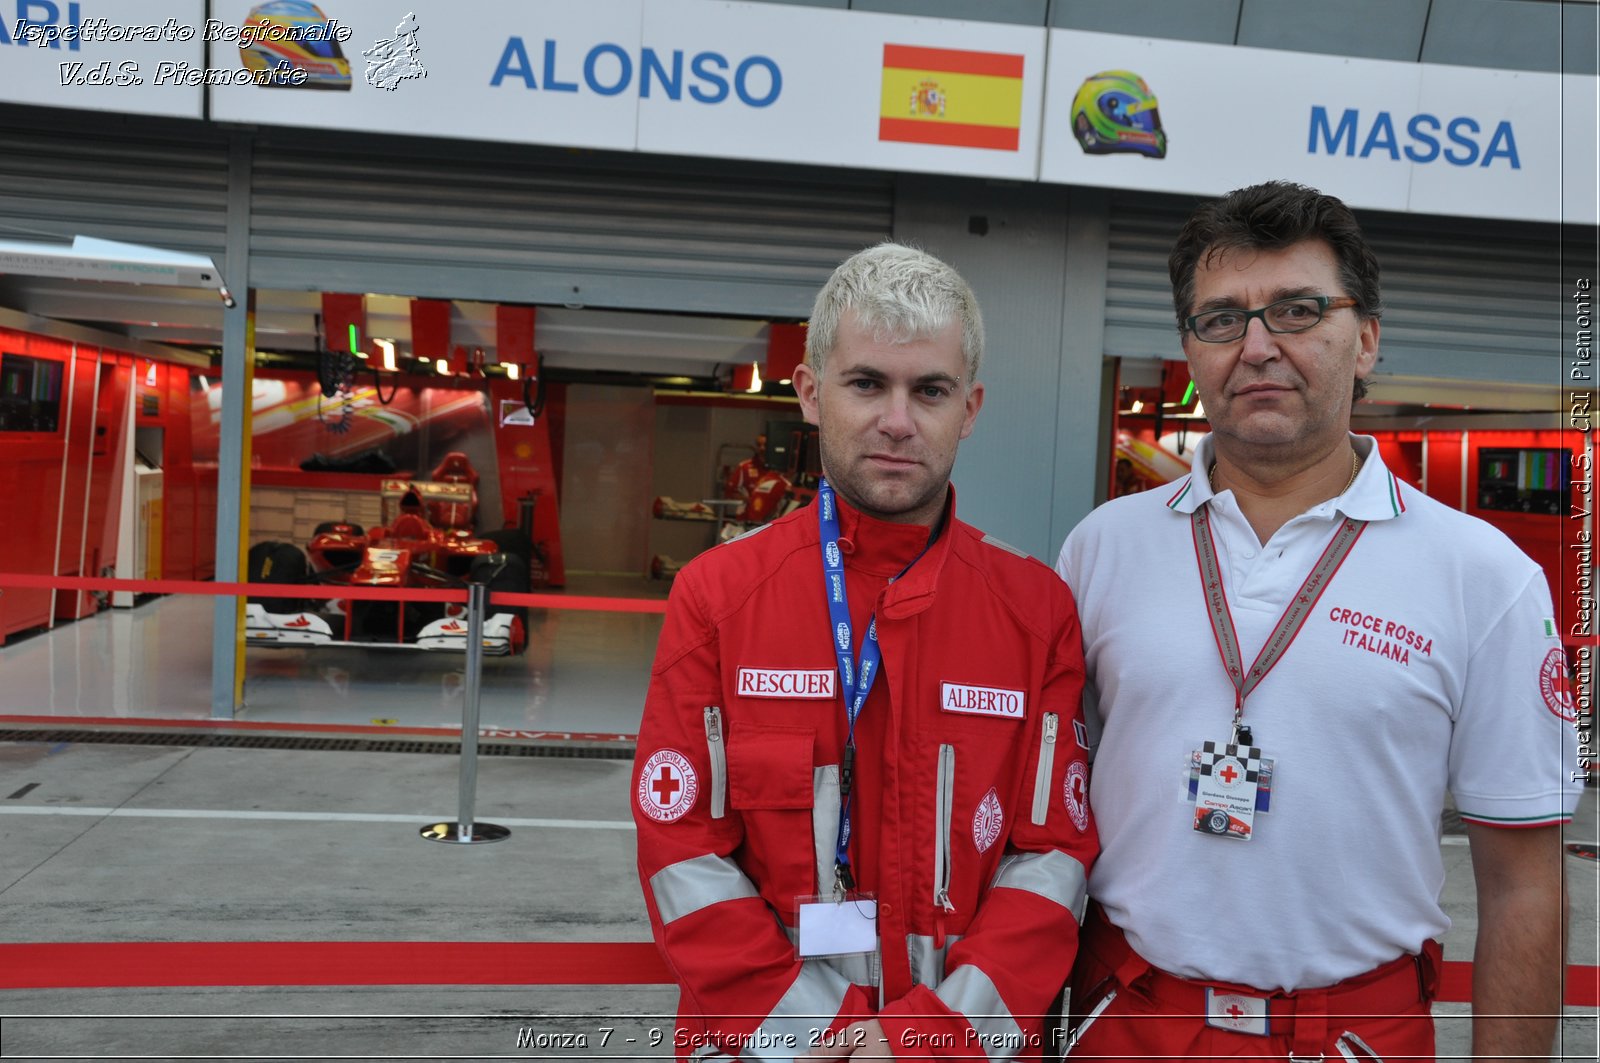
1055,876
970,992
810,1003
825,822
689,885
810,1006
927,962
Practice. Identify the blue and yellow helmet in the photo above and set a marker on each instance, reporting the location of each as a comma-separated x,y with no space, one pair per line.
1115,111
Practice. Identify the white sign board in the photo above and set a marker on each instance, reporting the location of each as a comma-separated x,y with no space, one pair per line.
1169,116
442,73
97,55
692,77
861,90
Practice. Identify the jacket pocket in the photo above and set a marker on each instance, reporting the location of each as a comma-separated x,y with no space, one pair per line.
1047,763
770,768
771,782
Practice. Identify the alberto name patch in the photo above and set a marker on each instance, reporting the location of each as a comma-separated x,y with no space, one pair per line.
981,701
785,683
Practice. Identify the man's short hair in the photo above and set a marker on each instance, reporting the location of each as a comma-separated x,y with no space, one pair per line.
899,294
1269,217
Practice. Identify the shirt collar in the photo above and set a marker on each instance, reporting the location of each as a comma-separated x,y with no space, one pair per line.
888,552
1376,494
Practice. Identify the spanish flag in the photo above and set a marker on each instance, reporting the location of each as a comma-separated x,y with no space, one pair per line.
949,96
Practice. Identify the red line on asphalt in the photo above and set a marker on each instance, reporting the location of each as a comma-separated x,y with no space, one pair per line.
98,965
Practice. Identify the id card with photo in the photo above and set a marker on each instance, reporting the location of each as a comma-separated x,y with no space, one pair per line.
1226,784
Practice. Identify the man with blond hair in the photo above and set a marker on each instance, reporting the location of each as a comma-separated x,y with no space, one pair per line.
859,788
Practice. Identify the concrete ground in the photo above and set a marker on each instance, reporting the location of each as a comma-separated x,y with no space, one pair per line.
176,842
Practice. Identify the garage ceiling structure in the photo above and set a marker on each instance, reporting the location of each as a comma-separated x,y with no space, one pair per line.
569,338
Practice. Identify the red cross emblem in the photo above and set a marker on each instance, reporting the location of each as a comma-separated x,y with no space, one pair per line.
667,786
1228,774
1235,1011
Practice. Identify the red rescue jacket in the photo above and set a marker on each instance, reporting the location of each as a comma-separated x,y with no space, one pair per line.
971,814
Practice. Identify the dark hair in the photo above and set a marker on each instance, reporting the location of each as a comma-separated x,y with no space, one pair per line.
1271,216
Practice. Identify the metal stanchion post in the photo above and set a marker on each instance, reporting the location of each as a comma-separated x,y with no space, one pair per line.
464,829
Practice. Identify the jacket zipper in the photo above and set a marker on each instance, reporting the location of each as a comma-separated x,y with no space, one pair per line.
719,761
1047,762
941,848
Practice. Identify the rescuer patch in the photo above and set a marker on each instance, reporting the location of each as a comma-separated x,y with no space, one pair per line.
786,683
1556,686
1076,794
987,821
668,786
981,701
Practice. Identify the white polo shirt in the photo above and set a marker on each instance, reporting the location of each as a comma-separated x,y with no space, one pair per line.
1427,665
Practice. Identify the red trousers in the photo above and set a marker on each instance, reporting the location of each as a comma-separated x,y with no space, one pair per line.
1123,1008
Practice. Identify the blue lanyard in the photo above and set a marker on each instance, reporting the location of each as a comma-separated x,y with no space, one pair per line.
856,682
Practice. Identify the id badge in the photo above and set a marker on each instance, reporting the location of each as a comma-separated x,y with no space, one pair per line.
1229,785
837,925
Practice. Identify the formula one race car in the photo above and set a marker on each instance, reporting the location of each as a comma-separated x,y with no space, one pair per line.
425,542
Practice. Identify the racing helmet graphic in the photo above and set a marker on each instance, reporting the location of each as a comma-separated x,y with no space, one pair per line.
1115,111
283,36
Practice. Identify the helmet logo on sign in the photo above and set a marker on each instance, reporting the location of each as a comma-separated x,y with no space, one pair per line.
292,44
1115,111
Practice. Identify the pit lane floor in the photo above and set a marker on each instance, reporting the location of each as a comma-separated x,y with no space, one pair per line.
151,844
583,672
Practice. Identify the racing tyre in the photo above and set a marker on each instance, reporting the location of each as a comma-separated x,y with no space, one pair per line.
277,562
513,577
513,541
1217,822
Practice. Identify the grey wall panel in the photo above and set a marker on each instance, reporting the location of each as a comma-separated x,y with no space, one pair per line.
1514,34
1083,397
1390,30
65,173
1580,38
505,223
1465,299
1199,21
1016,260
1017,12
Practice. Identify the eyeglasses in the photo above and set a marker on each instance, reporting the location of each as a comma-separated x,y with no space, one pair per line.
1285,315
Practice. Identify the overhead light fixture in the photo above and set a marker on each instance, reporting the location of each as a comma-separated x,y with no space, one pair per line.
1199,409
441,365
387,347
512,370
755,379
786,381
1137,407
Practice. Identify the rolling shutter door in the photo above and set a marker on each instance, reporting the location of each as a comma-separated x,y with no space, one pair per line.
1465,299
520,224
63,173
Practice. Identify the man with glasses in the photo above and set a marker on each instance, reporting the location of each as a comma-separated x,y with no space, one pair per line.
1295,657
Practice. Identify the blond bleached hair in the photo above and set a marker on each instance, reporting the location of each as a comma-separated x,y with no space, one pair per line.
899,294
